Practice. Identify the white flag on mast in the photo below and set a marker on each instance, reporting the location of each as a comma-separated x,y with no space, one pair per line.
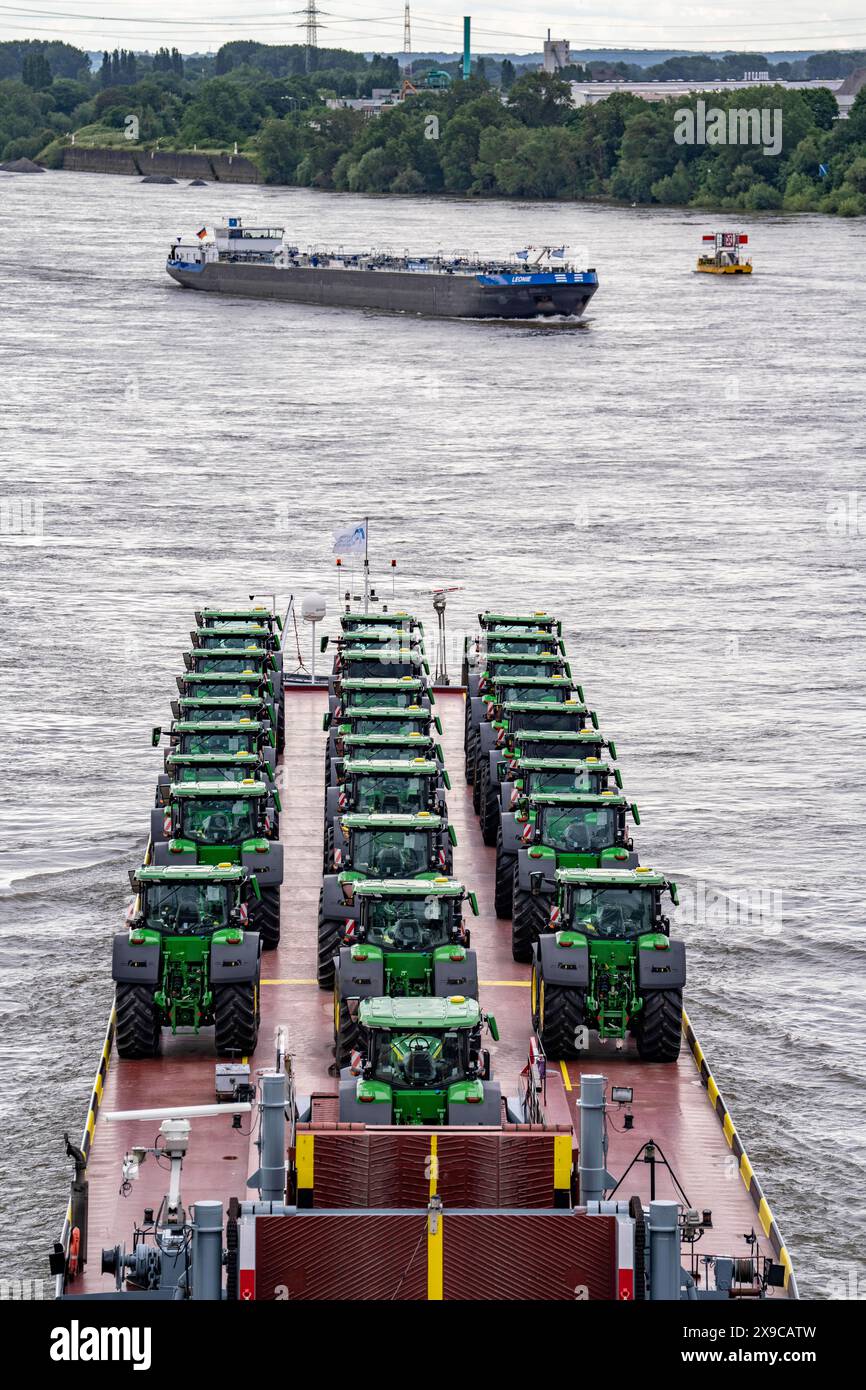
351,539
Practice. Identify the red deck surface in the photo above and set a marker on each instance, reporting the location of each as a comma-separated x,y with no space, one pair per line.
670,1103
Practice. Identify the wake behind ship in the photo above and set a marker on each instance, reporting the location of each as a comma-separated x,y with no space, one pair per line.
258,262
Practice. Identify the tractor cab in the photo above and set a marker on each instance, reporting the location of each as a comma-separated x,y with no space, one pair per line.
367,721
374,639
383,845
503,686
523,642
397,692
500,667
234,635
556,743
392,787
389,662
223,709
247,684
497,622
213,767
194,901
223,619
529,777
575,828
211,736
605,963
235,661
566,716
406,623
420,1062
389,747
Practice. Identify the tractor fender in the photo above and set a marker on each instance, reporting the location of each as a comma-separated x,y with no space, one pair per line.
456,976
359,979
527,866
333,700
332,804
270,756
472,685
662,969
130,964
268,868
566,966
487,737
232,964
334,905
353,1111
476,711
505,790
510,832
160,855
489,1112
157,821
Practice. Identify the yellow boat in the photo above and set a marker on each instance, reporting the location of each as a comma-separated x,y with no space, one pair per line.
725,258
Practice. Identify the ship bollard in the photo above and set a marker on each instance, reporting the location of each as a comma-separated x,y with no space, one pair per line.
664,1252
207,1251
593,1177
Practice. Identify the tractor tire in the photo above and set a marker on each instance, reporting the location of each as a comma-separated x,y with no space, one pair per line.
660,1030
477,784
347,1035
529,918
471,755
138,1030
489,808
265,917
236,1018
329,946
281,718
328,855
503,896
559,1012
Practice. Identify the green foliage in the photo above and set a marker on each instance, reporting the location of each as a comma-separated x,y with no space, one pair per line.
540,99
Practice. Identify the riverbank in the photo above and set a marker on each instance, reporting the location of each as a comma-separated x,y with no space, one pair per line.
218,168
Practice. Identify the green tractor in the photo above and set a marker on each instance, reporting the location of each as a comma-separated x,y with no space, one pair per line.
409,939
189,959
229,709
395,692
376,846
489,709
410,627
420,1062
386,747
225,619
557,830
234,635
211,736
224,822
524,778
369,721
220,767
246,686
237,661
607,964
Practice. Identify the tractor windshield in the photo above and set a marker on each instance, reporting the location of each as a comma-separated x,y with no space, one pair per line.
555,720
612,913
418,1061
214,640
231,665
513,668
390,726
582,780
578,829
389,752
214,772
388,699
507,646
186,909
390,795
546,694
227,714
225,689
218,820
410,924
382,665
217,743
539,748
390,853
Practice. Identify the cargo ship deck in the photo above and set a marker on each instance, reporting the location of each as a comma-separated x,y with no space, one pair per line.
678,1106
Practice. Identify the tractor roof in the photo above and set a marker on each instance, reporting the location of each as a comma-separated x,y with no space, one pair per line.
250,786
255,614
251,652
611,878
235,630
396,632
193,873
411,740
520,634
221,701
531,682
538,620
371,619
383,683
558,765
242,759
504,658
227,677
556,735
390,651
384,712
536,706
408,888
381,767
213,726
379,820
577,799
402,1014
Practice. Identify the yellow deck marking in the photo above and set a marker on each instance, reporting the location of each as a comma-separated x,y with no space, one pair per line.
562,1161
510,984
305,1160
299,981
434,1257
434,1163
564,1069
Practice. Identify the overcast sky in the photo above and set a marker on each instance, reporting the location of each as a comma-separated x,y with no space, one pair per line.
508,25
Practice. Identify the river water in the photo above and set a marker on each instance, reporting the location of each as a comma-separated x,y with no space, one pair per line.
682,480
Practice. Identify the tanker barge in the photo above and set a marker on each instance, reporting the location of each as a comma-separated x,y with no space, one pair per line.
605,1177
259,263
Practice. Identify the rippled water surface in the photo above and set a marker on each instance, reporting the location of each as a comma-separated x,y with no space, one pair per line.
682,480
